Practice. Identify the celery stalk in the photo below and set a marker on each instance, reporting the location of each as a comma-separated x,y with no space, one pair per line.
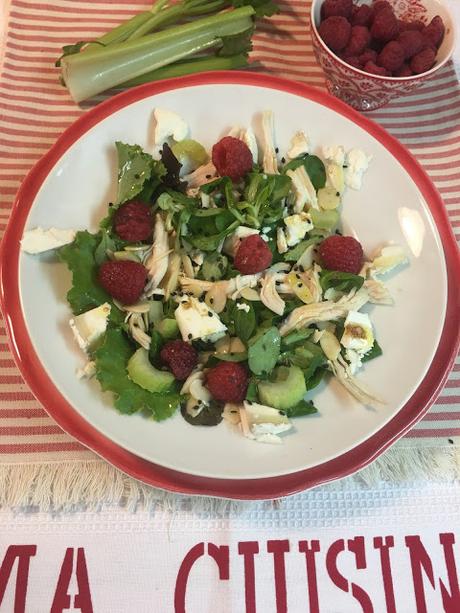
89,73
200,64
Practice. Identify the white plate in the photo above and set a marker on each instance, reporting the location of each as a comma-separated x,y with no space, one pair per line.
389,208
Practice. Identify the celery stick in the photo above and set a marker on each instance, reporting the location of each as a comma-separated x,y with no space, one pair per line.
179,69
89,73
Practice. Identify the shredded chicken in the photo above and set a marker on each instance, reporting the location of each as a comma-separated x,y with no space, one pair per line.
269,296
200,176
171,279
137,329
357,389
305,194
324,311
270,162
232,287
157,263
378,292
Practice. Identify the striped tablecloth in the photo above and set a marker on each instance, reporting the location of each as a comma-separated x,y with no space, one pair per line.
38,462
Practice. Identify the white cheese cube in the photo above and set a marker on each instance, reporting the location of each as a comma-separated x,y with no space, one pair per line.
88,327
39,240
357,333
296,227
198,321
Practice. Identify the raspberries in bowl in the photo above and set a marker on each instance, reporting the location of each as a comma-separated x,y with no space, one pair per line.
376,50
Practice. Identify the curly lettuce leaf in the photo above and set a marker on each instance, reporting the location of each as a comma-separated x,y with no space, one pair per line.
135,169
111,360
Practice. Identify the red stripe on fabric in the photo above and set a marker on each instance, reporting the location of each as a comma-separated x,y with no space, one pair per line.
13,379
15,396
70,114
50,8
22,413
433,111
448,400
30,430
444,416
63,30
52,127
442,432
39,447
433,144
7,363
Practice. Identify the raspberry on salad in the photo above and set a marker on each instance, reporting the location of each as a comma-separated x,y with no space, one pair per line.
232,158
227,382
133,221
123,280
335,32
180,357
341,253
253,255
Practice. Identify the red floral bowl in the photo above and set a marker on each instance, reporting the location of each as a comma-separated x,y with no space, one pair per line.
364,91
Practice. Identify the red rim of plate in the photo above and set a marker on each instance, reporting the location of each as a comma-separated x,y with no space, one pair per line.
154,474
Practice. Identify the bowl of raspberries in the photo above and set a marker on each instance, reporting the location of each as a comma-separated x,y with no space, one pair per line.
372,51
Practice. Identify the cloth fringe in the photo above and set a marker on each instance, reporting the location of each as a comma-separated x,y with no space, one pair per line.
91,484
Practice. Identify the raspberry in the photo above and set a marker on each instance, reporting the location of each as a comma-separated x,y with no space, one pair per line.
232,158
123,280
333,8
253,255
410,25
133,221
335,32
380,5
374,69
434,31
359,39
404,71
411,41
353,60
361,15
423,61
180,357
385,26
392,56
343,253
368,55
227,382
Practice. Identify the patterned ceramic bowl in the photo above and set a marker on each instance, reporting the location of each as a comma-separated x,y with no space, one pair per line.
364,91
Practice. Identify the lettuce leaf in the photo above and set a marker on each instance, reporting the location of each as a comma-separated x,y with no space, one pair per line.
81,259
135,169
111,359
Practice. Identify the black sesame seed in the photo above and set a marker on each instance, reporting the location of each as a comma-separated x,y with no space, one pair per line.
301,268
450,441
184,301
282,412
297,277
110,203
277,150
211,300
337,194
208,176
190,336
209,314
345,166
189,293
299,284
295,267
201,299
137,176
277,282
232,353
283,160
233,411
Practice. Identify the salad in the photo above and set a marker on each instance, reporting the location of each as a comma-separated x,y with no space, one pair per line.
219,283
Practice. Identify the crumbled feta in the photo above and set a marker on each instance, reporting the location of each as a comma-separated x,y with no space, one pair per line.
241,306
88,327
357,332
263,423
334,153
281,240
354,360
299,145
39,240
357,163
296,227
88,370
264,237
198,321
168,124
266,230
